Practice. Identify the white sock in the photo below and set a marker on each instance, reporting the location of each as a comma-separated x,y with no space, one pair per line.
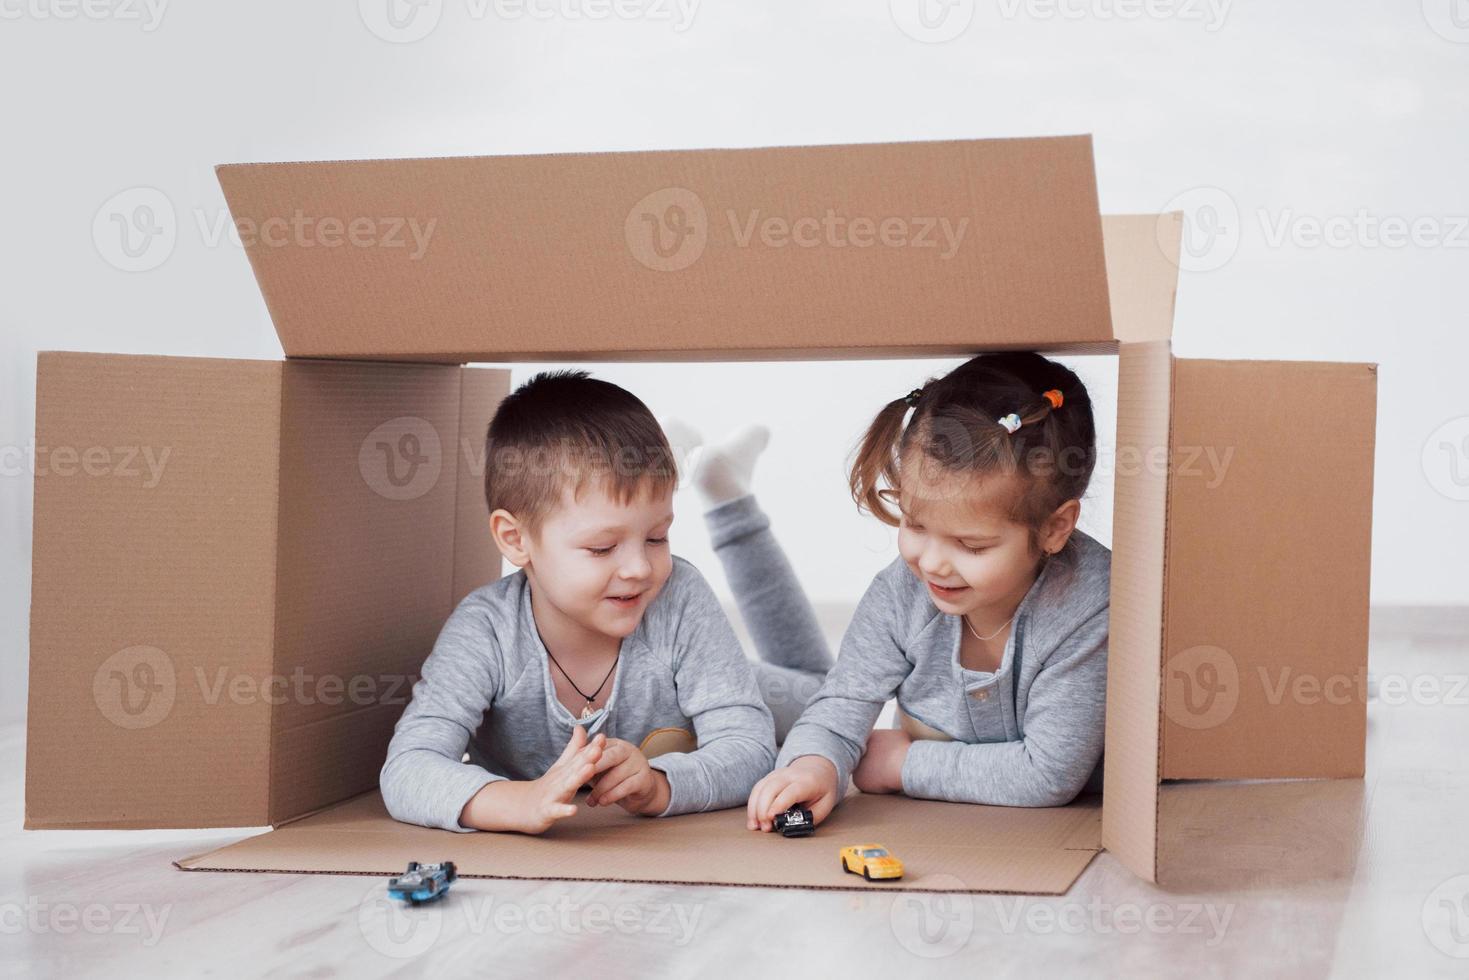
686,443
722,472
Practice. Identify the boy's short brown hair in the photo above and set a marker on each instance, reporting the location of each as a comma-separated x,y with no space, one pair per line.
566,429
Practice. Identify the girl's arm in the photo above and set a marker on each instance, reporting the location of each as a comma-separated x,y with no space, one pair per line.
1062,742
717,691
870,666
424,780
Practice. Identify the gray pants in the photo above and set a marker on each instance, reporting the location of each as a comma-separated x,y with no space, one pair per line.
794,655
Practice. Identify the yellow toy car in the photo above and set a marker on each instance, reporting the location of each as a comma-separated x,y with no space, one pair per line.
871,861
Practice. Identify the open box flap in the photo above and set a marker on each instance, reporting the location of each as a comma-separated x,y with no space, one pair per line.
894,249
152,591
226,637
1269,545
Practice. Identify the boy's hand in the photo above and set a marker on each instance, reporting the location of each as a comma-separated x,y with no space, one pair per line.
627,780
881,768
809,780
533,806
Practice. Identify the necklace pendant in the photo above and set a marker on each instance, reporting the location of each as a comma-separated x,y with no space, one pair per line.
586,711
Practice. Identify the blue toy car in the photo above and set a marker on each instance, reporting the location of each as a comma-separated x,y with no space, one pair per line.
422,882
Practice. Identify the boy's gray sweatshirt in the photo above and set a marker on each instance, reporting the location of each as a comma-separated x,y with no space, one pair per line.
1029,734
487,689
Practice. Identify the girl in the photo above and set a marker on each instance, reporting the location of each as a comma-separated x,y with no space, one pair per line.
990,627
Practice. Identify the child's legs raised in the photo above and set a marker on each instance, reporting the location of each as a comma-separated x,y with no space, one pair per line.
783,625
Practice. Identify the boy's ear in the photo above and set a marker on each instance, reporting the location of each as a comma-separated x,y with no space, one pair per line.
510,537
1059,526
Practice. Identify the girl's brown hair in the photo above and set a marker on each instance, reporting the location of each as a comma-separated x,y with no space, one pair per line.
956,427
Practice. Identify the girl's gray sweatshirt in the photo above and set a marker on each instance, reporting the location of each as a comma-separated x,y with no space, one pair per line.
1029,734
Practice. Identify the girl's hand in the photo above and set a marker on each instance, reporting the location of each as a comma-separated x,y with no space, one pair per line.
809,780
533,806
627,780
881,768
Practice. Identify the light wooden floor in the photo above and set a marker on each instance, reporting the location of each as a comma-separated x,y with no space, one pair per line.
1264,879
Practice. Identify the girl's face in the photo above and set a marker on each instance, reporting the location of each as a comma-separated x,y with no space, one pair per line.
953,538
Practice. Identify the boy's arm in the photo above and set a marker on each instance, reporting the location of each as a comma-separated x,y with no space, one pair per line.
717,690
870,666
424,780
1064,722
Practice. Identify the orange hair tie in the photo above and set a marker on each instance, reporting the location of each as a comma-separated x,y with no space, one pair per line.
1054,397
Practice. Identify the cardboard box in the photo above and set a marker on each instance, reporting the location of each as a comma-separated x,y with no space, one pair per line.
318,518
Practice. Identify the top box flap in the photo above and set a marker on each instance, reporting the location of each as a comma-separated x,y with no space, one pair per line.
894,249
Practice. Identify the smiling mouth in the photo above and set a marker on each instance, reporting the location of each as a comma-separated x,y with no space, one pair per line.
947,590
626,600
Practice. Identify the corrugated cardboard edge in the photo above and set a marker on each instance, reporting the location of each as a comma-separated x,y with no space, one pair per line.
1133,756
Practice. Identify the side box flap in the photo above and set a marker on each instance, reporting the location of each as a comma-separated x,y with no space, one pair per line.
1135,644
374,458
153,591
1269,556
1142,272
893,249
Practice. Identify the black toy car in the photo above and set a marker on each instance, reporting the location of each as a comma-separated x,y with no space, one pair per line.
795,822
422,882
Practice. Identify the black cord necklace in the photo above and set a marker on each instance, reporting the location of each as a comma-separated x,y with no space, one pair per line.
586,711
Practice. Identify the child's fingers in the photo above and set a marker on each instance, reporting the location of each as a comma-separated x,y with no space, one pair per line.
632,784
787,798
610,778
766,792
615,752
573,744
560,811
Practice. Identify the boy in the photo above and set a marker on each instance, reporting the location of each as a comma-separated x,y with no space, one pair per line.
605,658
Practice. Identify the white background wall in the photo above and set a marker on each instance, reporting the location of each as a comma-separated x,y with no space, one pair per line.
1257,116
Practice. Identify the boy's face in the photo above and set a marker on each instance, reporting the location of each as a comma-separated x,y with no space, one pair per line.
599,562
954,540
